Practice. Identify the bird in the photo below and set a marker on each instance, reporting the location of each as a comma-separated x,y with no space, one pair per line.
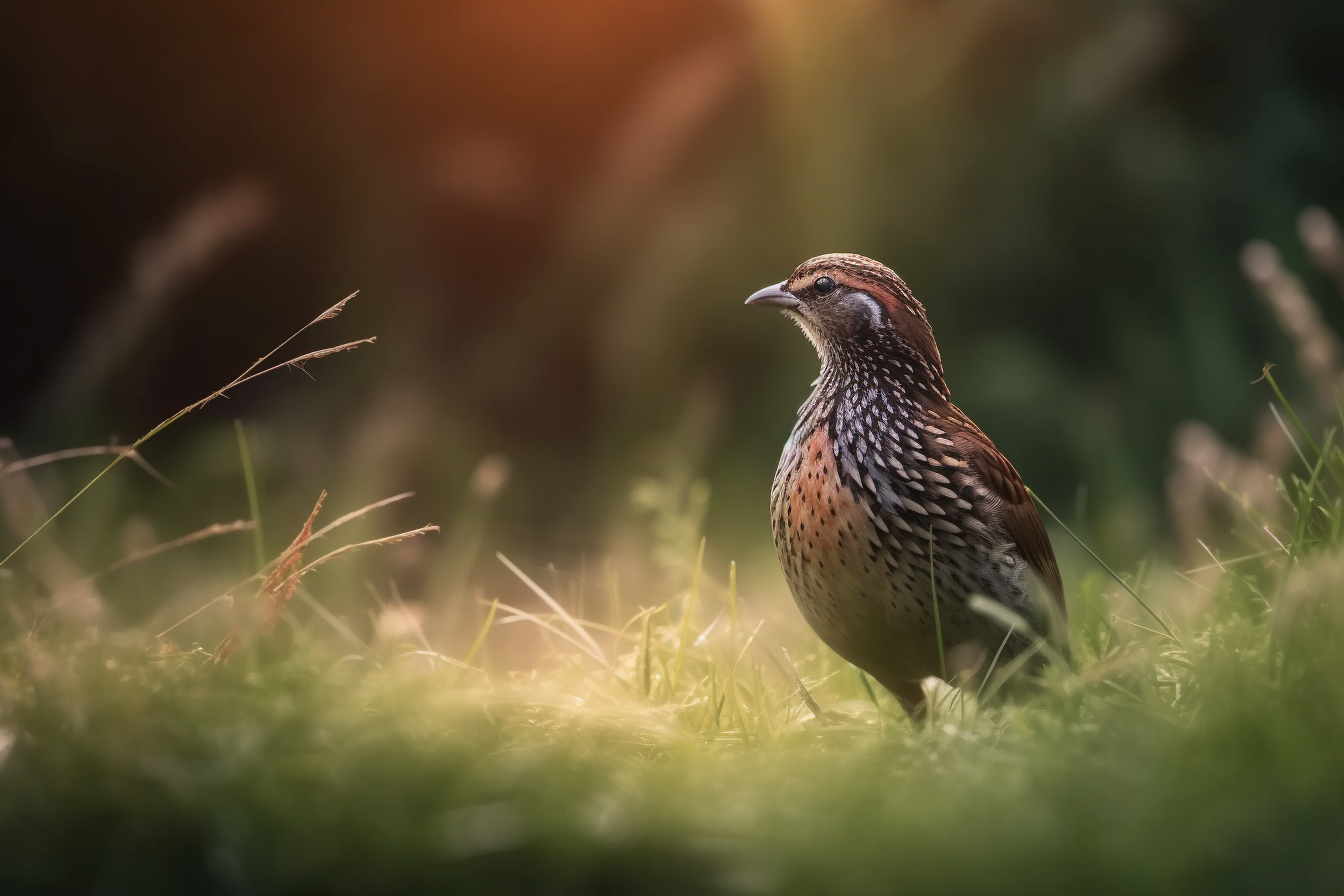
890,508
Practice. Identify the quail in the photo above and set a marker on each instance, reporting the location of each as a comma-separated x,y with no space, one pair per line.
888,498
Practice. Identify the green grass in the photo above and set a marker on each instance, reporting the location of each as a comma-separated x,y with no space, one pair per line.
1213,767
682,751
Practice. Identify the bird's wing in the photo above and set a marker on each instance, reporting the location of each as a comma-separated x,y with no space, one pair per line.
1019,513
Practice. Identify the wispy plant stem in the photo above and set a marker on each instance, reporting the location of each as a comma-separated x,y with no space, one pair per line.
250,481
937,619
1298,425
243,377
1102,563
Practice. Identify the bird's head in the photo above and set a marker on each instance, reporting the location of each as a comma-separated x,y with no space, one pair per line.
853,308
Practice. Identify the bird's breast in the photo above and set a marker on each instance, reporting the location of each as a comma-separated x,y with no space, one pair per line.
868,542
827,542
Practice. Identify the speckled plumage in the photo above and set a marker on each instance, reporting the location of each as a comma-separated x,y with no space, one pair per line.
886,489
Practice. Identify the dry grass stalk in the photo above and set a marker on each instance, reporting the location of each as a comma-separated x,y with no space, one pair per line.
276,590
298,362
1207,477
1319,355
385,541
246,376
213,530
21,508
227,596
279,586
1325,244
356,514
283,575
588,644
71,453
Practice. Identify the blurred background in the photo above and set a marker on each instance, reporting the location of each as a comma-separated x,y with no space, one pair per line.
553,212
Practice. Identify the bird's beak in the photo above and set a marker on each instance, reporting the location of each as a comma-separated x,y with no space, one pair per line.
774,297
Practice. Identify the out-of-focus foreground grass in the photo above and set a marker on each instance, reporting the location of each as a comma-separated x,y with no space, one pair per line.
669,740
678,754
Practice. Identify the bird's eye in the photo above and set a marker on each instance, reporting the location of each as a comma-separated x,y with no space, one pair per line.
824,285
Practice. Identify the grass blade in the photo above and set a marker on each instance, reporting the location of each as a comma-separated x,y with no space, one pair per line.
253,503
1102,563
